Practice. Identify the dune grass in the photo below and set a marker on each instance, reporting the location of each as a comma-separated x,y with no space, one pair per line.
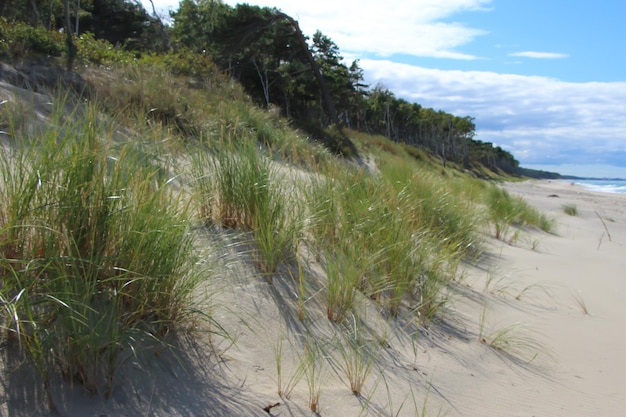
344,277
96,255
399,237
238,188
506,211
519,342
285,385
570,209
358,358
313,363
13,115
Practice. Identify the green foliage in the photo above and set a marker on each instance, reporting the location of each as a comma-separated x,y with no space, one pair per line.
36,13
122,23
19,40
196,21
189,64
101,52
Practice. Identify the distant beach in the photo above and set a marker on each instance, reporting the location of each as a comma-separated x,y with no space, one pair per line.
604,186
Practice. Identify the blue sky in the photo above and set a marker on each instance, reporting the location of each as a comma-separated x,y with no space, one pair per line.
546,80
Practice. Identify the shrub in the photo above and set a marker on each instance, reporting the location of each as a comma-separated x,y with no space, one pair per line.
101,52
20,40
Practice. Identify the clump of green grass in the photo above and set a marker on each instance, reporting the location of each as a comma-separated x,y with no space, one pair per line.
14,115
357,359
238,188
312,362
406,245
506,211
344,276
96,254
570,209
516,340
286,385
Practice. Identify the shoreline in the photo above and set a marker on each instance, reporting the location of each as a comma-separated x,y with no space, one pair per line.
584,263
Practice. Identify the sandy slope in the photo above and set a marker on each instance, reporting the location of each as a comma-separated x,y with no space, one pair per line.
587,376
561,361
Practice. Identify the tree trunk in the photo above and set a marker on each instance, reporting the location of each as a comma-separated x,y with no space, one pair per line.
265,82
77,15
36,13
166,37
69,41
330,106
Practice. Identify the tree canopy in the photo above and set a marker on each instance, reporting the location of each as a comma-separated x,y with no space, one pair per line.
261,49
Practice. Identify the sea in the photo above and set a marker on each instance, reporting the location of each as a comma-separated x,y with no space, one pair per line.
604,185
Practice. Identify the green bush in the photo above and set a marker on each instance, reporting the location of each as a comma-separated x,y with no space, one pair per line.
18,40
99,52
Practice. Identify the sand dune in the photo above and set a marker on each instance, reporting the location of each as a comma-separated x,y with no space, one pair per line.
558,301
536,329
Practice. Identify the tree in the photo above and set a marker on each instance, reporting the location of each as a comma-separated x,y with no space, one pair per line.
341,80
262,47
29,11
196,22
330,106
166,37
120,22
69,41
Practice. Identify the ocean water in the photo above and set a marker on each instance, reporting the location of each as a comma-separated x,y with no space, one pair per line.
605,186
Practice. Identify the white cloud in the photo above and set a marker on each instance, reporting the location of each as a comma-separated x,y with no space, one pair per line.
540,55
412,27
538,119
